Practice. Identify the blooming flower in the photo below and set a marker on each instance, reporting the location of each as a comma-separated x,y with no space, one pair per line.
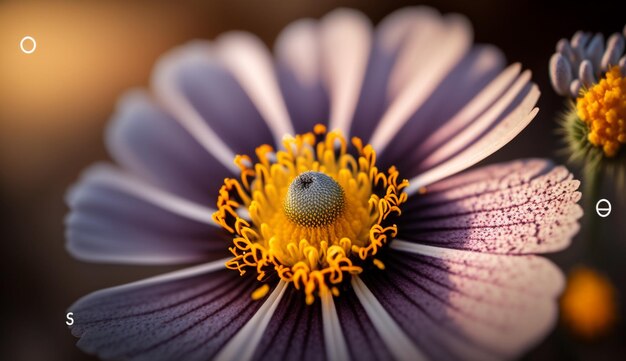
350,234
593,76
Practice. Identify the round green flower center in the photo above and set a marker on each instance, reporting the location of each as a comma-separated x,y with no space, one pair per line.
314,200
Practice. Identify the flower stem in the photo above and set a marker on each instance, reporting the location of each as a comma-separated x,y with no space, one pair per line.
593,182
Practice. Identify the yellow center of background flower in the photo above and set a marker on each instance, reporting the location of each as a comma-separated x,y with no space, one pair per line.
603,109
311,213
588,305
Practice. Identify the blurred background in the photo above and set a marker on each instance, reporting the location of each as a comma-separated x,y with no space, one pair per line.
55,102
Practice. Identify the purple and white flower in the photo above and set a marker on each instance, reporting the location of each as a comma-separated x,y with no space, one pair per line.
459,280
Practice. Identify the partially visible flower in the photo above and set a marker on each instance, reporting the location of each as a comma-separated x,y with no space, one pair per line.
579,64
357,238
588,305
592,75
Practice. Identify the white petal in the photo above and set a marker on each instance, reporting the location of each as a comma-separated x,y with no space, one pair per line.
471,110
551,282
169,93
398,343
298,48
394,29
495,139
251,63
298,65
148,142
241,347
336,347
502,304
479,125
345,40
390,36
110,176
171,276
422,65
463,303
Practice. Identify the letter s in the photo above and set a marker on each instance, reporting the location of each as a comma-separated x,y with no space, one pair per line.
70,320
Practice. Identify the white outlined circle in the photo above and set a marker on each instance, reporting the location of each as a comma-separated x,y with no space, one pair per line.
603,208
24,39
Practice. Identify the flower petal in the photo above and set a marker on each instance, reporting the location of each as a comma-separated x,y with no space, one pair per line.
508,268
508,125
243,344
147,141
116,217
397,341
345,42
295,332
390,37
471,108
334,340
475,128
464,95
298,65
467,305
363,341
250,62
434,49
207,100
189,314
521,207
302,332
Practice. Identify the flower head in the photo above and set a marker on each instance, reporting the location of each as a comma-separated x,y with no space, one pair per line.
315,213
578,64
603,110
344,226
593,76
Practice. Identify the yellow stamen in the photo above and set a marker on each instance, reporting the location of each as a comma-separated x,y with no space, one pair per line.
260,292
317,212
603,109
378,263
319,129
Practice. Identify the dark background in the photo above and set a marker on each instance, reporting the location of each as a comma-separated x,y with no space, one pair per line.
55,102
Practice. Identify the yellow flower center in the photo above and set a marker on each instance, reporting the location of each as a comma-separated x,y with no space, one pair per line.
588,305
309,214
603,109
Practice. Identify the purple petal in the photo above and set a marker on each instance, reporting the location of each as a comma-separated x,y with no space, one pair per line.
364,343
243,345
322,66
250,62
191,316
467,305
295,331
521,207
118,218
146,140
195,86
498,270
